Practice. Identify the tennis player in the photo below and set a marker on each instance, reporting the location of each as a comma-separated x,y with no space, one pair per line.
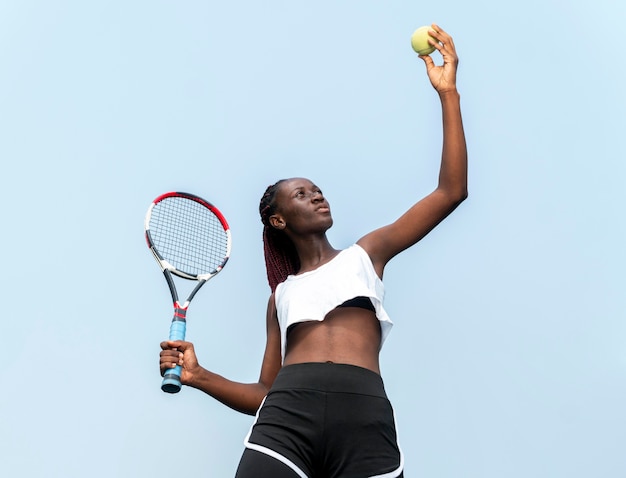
320,403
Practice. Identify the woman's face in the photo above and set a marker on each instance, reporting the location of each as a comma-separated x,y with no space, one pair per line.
301,208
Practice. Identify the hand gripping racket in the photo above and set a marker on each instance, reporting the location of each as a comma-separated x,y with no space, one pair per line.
189,238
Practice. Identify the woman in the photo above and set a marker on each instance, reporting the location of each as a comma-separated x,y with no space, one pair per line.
320,404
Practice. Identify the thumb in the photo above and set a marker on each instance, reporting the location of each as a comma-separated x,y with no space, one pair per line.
428,61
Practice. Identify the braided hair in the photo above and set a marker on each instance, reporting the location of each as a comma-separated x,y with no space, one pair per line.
281,257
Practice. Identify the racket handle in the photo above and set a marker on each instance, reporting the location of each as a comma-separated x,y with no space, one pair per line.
171,377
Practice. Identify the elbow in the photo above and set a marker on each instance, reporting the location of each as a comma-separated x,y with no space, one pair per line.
463,195
454,192
450,198
457,196
250,408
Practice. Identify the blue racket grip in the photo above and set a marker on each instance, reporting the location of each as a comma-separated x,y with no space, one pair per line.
171,377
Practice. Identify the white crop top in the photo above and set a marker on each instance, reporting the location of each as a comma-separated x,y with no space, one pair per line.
313,294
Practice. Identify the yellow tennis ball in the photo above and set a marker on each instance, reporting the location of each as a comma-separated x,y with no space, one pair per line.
419,41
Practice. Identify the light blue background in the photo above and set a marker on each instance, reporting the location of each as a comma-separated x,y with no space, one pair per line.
508,357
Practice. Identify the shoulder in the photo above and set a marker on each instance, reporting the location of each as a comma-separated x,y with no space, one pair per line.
372,246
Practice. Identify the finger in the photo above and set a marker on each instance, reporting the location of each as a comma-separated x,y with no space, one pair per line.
164,367
168,344
172,344
170,353
439,33
181,345
170,360
443,37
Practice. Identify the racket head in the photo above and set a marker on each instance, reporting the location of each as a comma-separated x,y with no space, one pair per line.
187,235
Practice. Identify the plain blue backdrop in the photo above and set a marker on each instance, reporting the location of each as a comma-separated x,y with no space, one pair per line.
508,354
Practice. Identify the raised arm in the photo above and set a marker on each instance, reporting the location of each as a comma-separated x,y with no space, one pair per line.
384,243
243,397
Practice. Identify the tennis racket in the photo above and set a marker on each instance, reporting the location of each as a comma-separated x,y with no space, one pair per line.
189,238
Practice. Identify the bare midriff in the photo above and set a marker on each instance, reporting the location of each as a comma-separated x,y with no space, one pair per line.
348,335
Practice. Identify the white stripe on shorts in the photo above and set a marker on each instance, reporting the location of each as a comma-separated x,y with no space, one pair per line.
269,451
277,456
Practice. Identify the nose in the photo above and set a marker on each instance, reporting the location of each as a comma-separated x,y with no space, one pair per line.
316,196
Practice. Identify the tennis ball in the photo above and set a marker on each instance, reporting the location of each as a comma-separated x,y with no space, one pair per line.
419,41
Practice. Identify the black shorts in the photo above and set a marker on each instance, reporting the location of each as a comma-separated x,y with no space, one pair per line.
324,420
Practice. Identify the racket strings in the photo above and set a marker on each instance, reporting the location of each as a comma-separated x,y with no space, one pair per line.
189,236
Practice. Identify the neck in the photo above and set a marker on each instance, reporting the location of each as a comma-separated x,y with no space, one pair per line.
314,252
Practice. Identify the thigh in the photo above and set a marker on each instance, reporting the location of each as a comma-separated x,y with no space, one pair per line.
288,429
254,464
376,451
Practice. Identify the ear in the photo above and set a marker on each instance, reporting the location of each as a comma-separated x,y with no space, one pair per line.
277,222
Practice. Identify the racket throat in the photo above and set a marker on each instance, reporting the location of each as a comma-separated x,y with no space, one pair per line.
179,322
180,311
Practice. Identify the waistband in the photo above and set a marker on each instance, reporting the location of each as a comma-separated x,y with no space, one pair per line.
330,377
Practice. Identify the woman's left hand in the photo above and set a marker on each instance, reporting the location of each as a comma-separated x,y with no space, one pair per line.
443,78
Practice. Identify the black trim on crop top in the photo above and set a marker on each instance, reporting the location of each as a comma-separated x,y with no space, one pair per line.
361,302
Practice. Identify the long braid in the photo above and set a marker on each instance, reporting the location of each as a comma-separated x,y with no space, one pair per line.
281,257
